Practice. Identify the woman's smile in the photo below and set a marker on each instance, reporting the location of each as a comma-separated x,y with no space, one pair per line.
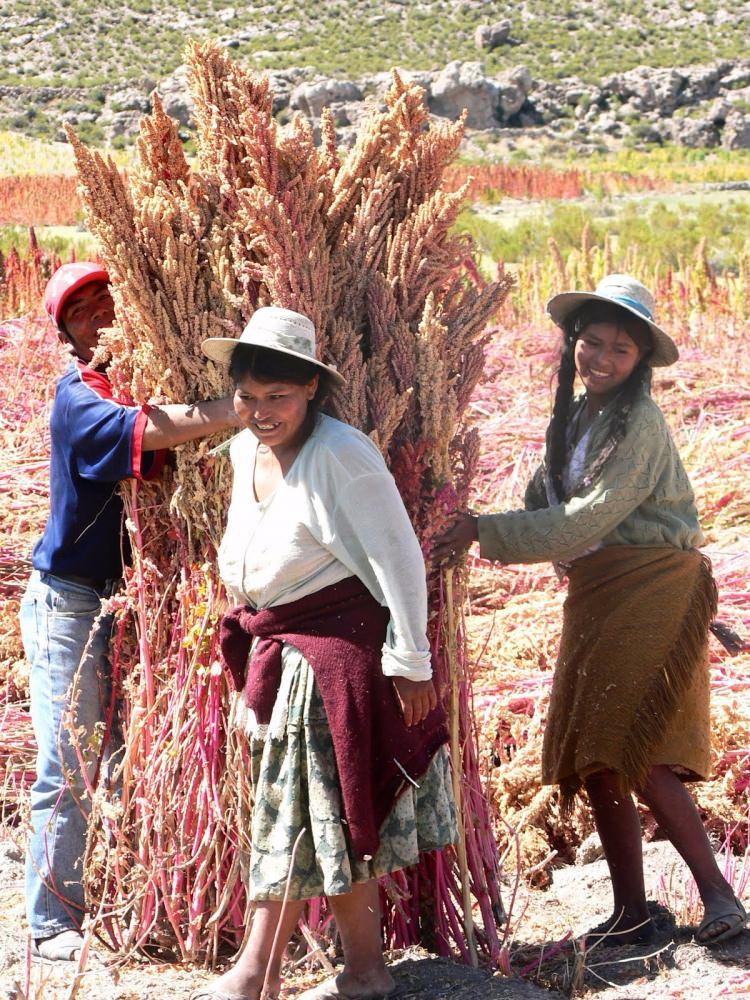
605,356
275,412
595,376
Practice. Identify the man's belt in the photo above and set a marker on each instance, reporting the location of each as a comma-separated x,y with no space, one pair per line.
102,586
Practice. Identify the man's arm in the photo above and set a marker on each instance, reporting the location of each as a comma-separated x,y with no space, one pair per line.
176,423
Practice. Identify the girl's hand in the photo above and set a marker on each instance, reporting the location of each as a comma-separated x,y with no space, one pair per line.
417,699
451,545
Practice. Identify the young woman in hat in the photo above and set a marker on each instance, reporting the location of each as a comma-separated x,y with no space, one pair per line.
328,654
612,507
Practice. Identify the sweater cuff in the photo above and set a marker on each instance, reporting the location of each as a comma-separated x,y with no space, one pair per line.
415,666
490,545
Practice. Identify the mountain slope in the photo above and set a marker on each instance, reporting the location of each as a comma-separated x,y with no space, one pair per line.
75,43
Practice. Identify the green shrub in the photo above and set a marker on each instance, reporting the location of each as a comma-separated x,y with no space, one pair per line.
661,233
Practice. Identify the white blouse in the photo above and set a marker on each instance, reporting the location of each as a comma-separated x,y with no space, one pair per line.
572,473
337,513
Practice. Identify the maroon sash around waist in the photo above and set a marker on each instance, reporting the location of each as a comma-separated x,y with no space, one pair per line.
340,631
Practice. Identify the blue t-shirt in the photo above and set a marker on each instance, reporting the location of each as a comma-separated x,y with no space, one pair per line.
95,442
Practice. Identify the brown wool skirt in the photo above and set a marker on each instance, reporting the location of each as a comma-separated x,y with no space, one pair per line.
631,685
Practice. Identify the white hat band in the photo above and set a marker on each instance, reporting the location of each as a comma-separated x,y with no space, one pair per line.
288,341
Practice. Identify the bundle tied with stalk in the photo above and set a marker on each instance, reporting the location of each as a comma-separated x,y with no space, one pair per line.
362,244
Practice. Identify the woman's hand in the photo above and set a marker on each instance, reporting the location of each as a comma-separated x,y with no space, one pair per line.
451,545
417,699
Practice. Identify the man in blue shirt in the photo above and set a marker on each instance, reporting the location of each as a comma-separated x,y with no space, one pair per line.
96,442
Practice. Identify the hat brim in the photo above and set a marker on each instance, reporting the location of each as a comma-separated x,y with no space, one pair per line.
220,349
665,350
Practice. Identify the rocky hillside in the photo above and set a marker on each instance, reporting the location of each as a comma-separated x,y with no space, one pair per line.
703,106
575,68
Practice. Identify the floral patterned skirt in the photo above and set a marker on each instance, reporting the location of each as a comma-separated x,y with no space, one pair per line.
295,787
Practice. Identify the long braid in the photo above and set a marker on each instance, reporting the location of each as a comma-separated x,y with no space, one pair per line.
638,383
556,436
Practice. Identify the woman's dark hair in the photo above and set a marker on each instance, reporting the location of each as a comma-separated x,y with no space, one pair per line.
638,382
266,365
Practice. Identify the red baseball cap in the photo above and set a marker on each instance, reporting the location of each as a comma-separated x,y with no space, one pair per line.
68,279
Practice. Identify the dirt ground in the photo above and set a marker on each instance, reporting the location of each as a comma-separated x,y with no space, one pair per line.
672,966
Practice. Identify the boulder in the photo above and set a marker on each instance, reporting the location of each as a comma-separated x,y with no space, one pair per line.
463,85
129,99
513,88
647,89
629,109
703,82
350,114
577,93
696,133
175,97
607,125
489,36
531,118
592,113
740,96
379,83
283,81
311,98
645,132
736,131
738,76
121,123
719,111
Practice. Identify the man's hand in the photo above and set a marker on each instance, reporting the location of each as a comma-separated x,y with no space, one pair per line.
417,699
451,545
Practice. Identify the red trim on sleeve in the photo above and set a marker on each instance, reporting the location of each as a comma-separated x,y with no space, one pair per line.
136,453
160,455
136,447
100,385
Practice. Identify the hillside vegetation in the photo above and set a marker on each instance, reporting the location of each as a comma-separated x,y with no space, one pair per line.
77,44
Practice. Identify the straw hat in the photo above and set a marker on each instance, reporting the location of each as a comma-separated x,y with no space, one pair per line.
629,294
275,329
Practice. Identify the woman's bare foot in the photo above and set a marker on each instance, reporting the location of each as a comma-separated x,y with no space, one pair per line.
273,923
234,986
346,985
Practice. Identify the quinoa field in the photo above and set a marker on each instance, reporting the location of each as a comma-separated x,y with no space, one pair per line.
573,226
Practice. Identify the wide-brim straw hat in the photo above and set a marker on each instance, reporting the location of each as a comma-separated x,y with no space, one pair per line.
274,329
624,291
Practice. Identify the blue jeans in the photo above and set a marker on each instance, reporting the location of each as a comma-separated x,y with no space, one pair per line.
66,644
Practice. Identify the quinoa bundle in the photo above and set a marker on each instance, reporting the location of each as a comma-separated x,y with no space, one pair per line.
362,245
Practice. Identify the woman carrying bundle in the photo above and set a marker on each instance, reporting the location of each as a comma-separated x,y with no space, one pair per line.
613,508
329,657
